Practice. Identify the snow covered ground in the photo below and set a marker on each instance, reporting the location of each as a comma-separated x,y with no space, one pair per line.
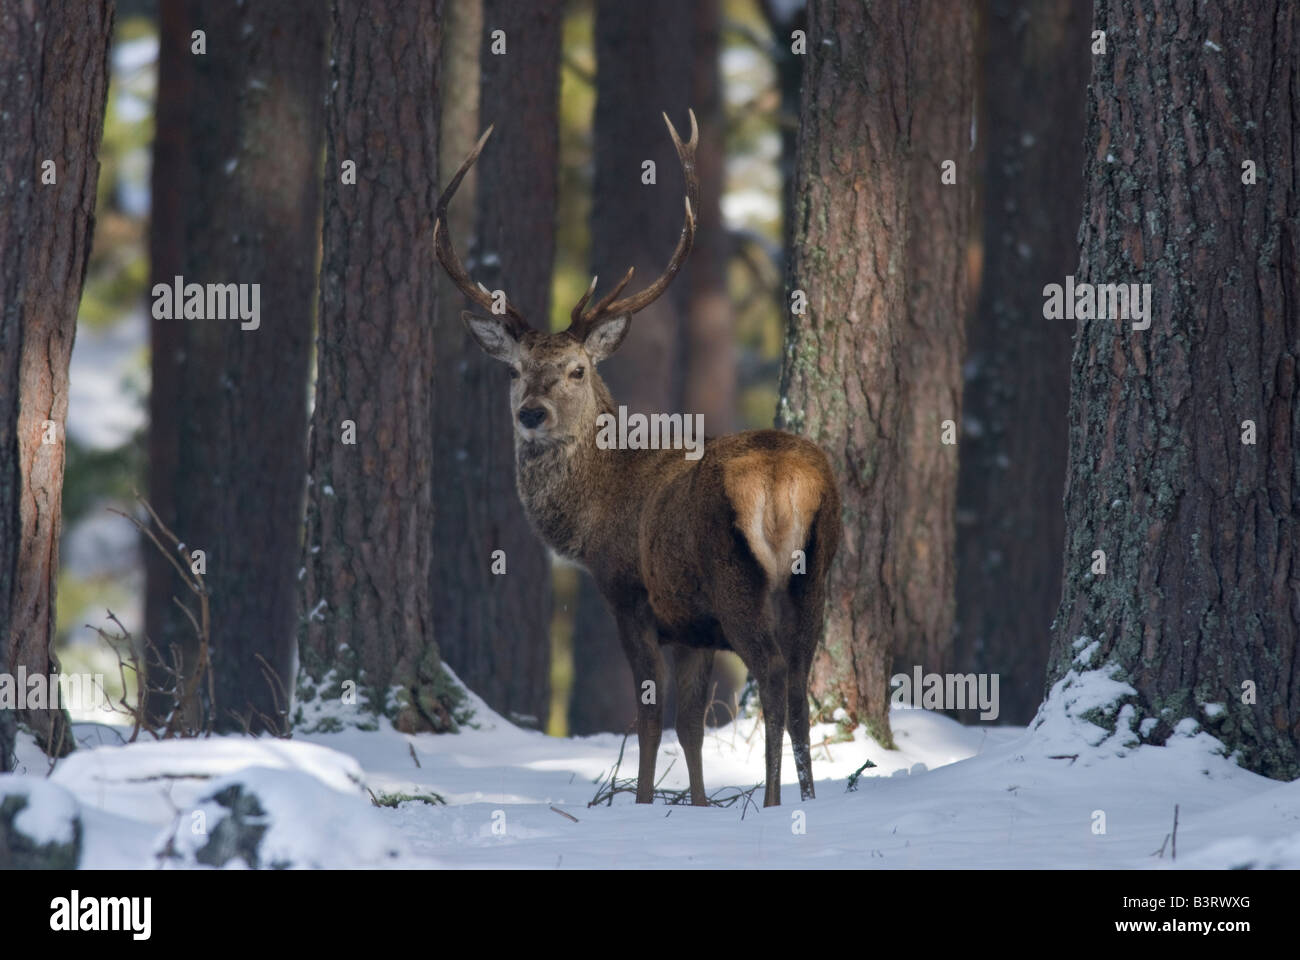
949,796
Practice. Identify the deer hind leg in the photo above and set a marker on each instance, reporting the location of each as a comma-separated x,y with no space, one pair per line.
803,608
773,689
800,631
751,630
694,666
641,645
797,703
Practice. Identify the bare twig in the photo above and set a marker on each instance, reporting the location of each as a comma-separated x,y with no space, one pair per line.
187,716
618,763
665,773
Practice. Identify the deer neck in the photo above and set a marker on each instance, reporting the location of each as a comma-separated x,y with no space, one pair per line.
561,486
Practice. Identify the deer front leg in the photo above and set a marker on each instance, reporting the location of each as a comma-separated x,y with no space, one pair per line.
694,665
641,645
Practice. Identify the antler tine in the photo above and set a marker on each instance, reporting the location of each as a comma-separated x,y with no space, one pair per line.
576,314
603,303
445,248
677,141
583,320
580,322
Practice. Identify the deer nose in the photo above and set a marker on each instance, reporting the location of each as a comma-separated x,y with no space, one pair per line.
532,416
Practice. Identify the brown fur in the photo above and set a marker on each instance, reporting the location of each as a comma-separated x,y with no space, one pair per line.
697,554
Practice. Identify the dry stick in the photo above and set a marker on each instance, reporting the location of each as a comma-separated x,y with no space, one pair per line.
200,588
202,666
758,722
563,814
195,582
156,542
1173,849
49,744
610,785
174,684
141,685
410,746
273,680
139,712
665,773
618,763
1161,852
726,705
121,671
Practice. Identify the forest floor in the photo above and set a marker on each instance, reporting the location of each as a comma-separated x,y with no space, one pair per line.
1061,793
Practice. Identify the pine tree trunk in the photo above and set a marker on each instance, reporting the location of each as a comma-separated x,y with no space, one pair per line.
710,349
368,590
840,380
710,386
643,60
236,200
53,85
1199,604
494,628
933,336
1010,524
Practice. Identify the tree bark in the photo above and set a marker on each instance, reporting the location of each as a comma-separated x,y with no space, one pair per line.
932,339
236,200
710,386
494,628
840,380
53,85
1010,526
368,589
644,67
710,353
1199,604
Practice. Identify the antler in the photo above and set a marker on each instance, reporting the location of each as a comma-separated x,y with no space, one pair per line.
446,250
583,321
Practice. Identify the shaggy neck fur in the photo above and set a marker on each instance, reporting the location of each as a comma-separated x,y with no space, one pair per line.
556,480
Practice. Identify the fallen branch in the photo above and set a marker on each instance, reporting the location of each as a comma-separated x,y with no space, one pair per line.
563,814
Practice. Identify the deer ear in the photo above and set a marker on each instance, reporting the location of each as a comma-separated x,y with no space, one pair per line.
492,335
605,339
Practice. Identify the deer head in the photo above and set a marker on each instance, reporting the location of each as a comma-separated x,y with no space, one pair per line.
555,393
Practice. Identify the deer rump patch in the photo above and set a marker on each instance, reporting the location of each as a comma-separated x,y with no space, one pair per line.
775,497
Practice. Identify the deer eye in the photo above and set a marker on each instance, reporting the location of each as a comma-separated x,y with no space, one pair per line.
514,374
575,373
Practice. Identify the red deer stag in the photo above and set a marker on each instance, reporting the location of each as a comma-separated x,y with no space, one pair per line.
729,551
